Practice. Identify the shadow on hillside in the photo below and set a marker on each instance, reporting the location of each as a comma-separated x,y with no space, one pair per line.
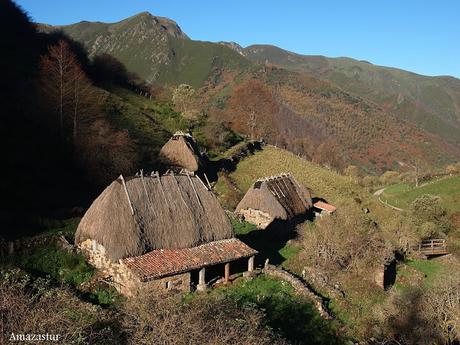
229,164
268,242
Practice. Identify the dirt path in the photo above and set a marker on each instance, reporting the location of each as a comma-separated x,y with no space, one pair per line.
379,193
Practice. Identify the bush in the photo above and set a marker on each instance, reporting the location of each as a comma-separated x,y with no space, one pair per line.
203,319
33,306
429,216
389,177
347,241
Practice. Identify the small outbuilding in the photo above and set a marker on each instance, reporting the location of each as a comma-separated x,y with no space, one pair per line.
182,152
323,208
160,232
277,197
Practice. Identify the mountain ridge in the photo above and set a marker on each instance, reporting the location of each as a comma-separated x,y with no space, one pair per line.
430,102
323,101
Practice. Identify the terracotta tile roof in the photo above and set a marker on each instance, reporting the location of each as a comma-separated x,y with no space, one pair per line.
163,262
325,206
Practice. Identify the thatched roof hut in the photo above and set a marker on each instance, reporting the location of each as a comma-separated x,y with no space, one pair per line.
136,215
181,151
278,197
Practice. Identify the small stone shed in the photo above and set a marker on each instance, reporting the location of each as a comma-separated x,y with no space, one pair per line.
277,197
159,232
323,208
182,152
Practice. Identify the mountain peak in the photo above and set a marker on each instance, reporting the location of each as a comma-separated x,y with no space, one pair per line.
233,45
166,24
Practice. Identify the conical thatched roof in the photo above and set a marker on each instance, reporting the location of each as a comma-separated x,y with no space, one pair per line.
142,213
280,196
181,151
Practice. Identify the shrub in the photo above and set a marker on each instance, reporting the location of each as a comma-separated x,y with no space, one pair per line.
346,241
34,306
203,319
429,215
389,177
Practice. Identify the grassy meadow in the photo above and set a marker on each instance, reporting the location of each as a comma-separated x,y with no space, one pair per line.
402,195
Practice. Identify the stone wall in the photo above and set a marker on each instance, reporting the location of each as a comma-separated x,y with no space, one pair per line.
124,280
27,243
257,217
300,288
176,283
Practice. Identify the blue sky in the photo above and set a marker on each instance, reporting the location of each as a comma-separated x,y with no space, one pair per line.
421,36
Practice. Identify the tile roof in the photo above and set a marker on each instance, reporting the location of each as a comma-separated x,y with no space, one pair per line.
325,206
163,262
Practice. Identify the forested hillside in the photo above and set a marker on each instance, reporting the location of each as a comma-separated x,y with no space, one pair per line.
432,103
302,110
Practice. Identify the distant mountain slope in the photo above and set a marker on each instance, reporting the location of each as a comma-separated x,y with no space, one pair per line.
432,103
309,116
153,47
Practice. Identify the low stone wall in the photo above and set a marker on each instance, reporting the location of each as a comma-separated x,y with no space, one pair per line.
27,243
300,288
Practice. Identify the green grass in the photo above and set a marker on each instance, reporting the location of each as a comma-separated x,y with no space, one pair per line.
330,185
428,272
289,251
431,269
402,195
243,227
272,161
291,315
50,260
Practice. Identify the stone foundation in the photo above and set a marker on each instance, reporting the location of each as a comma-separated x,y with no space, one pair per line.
124,280
257,217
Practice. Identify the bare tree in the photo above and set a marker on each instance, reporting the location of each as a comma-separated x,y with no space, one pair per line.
66,87
184,99
55,69
84,101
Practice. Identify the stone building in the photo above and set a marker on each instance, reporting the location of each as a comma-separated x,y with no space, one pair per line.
323,208
160,232
278,197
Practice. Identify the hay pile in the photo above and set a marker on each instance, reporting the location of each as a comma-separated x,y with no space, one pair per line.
281,197
153,212
181,151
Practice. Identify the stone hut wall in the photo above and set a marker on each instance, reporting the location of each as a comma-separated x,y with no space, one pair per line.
175,283
124,280
257,217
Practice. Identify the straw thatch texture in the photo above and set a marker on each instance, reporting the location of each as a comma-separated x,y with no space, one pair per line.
181,151
281,197
171,211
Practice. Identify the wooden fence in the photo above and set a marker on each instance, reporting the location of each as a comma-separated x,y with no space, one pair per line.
433,247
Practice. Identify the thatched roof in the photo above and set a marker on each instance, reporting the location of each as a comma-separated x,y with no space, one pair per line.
163,262
280,196
181,151
142,213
